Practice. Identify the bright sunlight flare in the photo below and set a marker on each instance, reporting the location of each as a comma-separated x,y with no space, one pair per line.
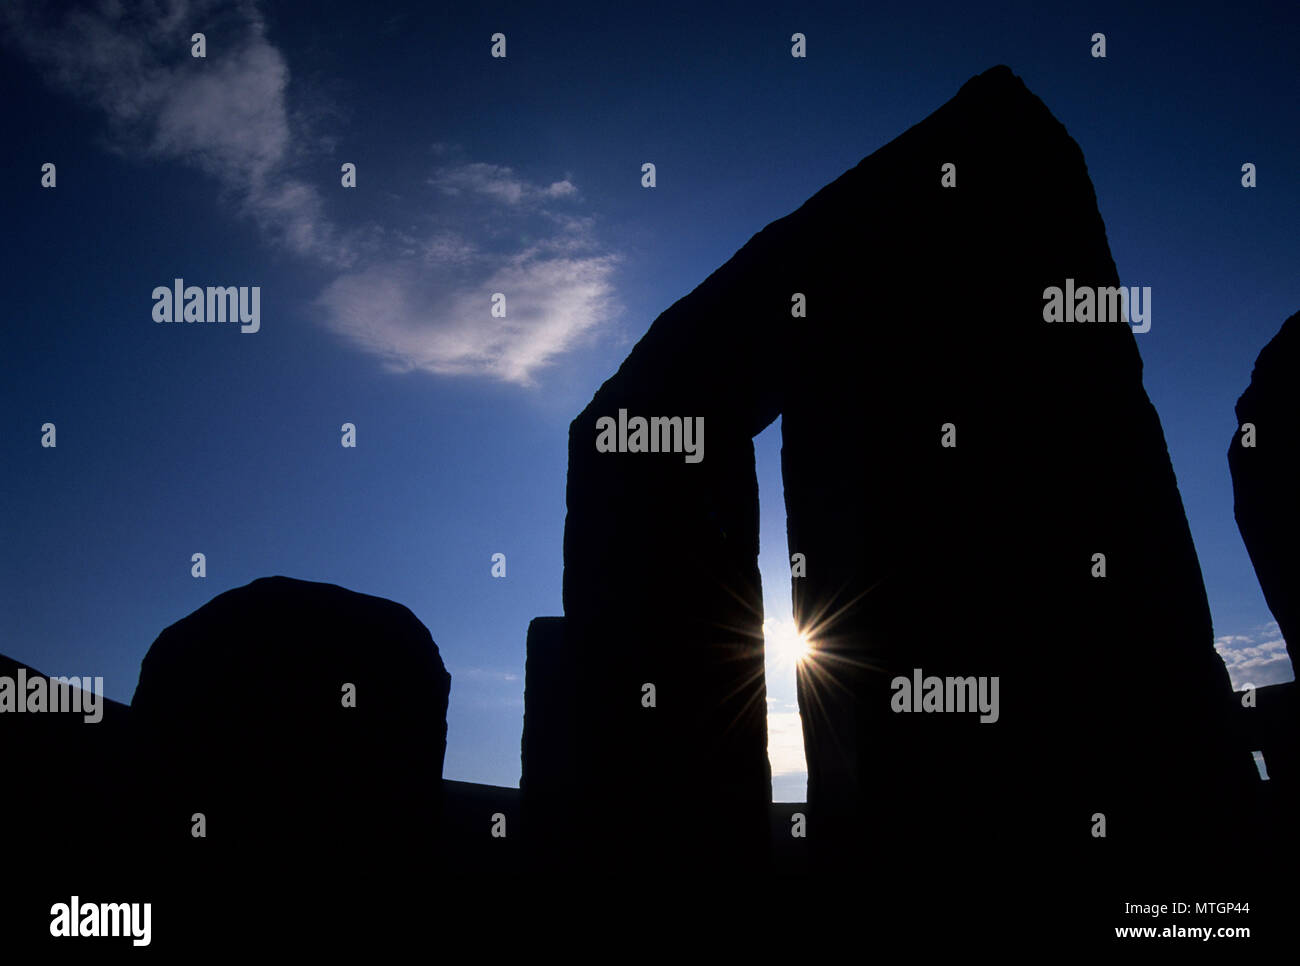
784,642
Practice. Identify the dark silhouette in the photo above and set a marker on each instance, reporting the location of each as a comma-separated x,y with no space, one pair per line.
240,715
1265,480
1265,484
66,806
925,307
1047,550
551,727
1268,721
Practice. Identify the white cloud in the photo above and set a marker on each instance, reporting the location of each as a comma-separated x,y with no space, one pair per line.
228,116
1259,658
416,303
434,314
785,744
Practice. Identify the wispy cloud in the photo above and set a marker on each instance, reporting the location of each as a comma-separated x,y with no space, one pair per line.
224,114
485,674
498,182
415,303
1257,658
429,306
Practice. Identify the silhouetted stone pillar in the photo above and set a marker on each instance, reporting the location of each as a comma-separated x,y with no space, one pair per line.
664,626
1264,458
243,714
977,558
1266,477
552,783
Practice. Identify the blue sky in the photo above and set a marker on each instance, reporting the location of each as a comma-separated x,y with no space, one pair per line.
522,175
